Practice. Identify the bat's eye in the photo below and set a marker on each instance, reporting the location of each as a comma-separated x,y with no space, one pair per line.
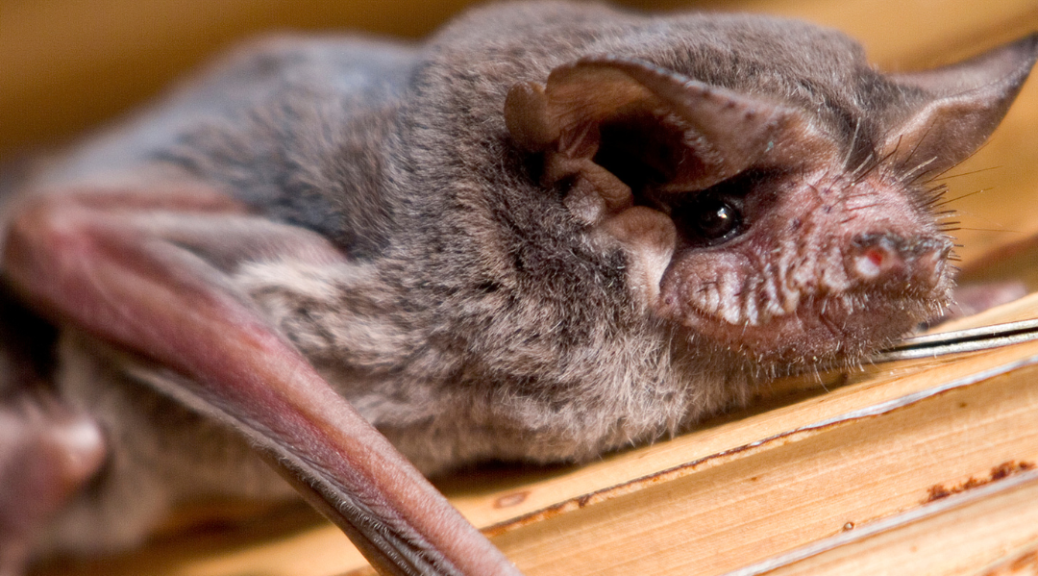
719,213
717,219
708,218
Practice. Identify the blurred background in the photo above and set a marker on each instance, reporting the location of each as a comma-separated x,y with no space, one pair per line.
66,65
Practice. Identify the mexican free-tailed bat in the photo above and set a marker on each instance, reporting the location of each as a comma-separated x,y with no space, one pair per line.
552,230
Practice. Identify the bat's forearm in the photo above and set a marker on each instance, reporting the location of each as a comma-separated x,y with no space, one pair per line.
132,286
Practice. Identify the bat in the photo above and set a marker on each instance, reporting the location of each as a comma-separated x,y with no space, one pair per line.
550,231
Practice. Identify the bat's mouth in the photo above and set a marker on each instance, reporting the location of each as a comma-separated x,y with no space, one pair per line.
822,330
841,314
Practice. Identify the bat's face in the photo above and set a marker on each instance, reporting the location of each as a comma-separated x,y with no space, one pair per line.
786,232
805,266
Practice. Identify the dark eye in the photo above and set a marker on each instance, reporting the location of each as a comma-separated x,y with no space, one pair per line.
719,213
708,218
716,219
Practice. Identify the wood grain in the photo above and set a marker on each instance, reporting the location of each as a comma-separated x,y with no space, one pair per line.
988,531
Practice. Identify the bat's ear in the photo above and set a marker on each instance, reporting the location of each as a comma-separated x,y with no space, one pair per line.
962,105
646,125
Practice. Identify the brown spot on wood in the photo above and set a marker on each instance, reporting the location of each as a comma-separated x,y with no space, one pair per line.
1003,470
512,499
936,492
584,500
526,519
848,526
1009,468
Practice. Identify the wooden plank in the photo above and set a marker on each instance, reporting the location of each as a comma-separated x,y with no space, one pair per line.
994,527
792,489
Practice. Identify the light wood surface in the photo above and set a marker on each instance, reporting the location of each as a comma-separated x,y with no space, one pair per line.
988,531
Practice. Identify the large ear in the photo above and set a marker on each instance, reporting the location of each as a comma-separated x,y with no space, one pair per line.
688,134
964,104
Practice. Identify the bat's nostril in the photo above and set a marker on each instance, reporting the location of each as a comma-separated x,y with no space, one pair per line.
874,262
890,259
877,257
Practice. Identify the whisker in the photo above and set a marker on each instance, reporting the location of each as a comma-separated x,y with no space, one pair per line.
911,176
865,206
978,171
941,174
935,193
931,199
864,168
917,144
957,198
991,230
854,140
877,164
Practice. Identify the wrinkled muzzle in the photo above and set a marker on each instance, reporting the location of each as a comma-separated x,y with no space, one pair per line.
827,271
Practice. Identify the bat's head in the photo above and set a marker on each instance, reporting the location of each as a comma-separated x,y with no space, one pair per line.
763,226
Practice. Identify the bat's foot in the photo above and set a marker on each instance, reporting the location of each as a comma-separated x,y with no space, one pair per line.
47,453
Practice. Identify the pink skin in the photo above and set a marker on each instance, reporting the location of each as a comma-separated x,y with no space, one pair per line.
813,265
47,453
99,260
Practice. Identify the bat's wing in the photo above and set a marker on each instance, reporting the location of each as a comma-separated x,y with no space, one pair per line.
145,270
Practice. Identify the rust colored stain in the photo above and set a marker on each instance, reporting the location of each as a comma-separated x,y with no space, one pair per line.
582,501
1003,470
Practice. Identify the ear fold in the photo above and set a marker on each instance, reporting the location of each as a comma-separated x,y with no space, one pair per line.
964,104
705,134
